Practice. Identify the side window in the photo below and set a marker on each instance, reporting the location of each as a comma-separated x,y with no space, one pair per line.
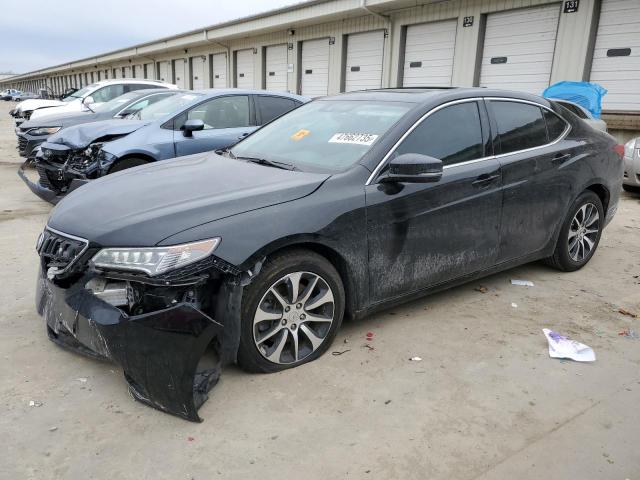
453,135
107,93
555,125
520,125
221,112
132,87
272,107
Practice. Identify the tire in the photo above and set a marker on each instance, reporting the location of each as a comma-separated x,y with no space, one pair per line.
630,188
127,163
568,255
322,299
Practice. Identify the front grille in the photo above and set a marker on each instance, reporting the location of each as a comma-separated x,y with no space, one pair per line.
22,144
59,250
44,178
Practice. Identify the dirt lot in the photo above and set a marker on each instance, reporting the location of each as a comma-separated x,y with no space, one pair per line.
486,401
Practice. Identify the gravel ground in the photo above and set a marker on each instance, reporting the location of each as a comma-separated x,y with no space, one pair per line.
485,402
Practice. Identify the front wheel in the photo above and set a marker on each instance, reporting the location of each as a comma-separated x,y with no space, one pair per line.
127,163
580,233
290,313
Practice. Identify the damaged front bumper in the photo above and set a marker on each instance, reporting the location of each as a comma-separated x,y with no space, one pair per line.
43,187
160,352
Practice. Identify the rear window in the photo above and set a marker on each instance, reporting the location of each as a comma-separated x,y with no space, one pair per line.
272,107
520,125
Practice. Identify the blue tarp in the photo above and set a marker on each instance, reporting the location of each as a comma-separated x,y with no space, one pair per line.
585,94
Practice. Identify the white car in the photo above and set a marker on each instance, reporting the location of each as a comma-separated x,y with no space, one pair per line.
583,113
85,98
631,179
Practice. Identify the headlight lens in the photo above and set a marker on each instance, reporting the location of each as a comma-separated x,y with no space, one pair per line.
154,260
105,158
44,130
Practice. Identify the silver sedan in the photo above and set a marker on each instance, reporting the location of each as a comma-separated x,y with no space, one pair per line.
631,180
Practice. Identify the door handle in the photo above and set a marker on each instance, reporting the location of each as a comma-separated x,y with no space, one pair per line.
560,157
484,179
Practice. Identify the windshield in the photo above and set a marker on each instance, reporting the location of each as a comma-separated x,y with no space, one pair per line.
80,93
328,135
166,107
117,103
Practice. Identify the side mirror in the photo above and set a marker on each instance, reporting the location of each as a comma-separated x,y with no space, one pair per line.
88,100
413,168
191,126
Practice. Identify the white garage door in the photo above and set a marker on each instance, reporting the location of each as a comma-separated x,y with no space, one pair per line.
276,68
315,67
198,72
365,52
244,68
180,72
149,71
127,72
616,57
219,70
138,71
164,71
117,72
518,49
428,54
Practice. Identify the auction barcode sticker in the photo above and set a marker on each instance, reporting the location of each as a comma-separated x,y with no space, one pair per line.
354,138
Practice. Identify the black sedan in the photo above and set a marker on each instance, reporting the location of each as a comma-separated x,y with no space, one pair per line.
339,208
33,133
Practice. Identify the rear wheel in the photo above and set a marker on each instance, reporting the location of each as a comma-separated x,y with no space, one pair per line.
290,312
127,163
580,233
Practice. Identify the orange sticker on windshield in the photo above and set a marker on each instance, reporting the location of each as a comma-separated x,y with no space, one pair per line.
300,134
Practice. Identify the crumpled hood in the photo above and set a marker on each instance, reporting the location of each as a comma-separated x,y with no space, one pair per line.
144,205
33,104
81,136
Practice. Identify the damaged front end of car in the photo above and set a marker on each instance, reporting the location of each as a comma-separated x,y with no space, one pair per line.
61,169
171,333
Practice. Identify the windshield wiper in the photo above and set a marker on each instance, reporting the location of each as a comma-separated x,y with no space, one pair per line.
270,163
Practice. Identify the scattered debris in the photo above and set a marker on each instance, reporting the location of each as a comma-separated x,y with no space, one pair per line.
346,340
481,289
369,347
340,353
629,334
34,403
387,402
415,359
522,283
53,429
563,347
82,380
190,439
627,313
370,336
514,305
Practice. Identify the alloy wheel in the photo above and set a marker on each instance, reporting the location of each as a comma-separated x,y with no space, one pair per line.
293,317
583,232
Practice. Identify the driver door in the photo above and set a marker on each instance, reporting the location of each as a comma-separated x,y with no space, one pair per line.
226,120
424,234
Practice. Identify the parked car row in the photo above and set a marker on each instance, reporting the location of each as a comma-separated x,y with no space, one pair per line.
254,222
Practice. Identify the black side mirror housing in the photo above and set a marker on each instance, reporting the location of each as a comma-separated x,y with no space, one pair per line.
191,126
413,168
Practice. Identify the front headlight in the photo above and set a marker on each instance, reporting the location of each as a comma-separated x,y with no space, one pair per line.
106,159
628,148
154,260
43,131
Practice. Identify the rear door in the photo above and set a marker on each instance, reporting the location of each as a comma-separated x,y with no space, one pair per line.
226,119
424,234
537,170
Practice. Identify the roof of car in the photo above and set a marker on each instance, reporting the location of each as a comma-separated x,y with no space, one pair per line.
113,81
214,92
429,94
